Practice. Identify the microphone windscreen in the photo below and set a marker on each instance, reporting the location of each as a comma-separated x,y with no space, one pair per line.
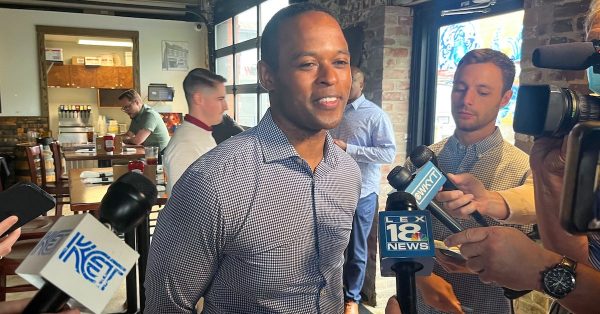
569,56
399,178
421,155
127,202
401,200
141,184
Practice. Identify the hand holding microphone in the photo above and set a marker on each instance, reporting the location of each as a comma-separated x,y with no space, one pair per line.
80,258
421,155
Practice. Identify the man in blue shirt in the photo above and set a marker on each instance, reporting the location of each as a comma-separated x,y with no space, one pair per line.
366,135
259,224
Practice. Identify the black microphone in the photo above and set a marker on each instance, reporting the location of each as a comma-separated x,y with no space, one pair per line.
125,204
406,246
421,155
399,178
570,56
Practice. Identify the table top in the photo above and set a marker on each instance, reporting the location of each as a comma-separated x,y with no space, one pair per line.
85,197
92,155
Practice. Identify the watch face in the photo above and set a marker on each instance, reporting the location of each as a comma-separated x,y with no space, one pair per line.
559,281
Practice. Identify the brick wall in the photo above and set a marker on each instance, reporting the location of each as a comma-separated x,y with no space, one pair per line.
551,22
14,130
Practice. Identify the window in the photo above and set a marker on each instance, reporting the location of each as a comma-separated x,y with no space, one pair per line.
237,51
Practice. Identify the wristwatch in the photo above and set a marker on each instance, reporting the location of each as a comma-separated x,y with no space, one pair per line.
559,280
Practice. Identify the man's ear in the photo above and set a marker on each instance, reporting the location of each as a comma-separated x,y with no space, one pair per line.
266,76
506,98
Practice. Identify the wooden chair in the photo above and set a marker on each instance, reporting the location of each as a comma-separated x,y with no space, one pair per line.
9,264
59,189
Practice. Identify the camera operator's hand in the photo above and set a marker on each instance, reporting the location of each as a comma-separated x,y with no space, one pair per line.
392,306
547,161
471,196
504,256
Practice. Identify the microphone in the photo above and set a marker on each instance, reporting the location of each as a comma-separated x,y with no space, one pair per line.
569,56
406,246
402,180
424,184
80,258
422,154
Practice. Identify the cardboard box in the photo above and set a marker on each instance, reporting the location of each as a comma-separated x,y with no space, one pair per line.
79,60
54,54
106,60
119,170
92,61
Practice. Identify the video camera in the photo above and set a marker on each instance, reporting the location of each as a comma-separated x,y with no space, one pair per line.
546,110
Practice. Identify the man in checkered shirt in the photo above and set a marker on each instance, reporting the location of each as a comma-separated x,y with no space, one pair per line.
260,223
493,177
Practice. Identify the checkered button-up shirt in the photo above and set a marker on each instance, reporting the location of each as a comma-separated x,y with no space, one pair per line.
499,166
254,230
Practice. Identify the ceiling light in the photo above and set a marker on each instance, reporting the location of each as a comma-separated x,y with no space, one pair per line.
105,43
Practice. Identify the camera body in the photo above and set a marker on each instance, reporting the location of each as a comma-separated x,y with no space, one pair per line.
546,110
580,208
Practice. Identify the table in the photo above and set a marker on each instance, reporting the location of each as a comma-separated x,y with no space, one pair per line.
92,155
87,197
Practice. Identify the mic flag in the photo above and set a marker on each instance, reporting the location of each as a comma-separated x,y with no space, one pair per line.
405,236
81,257
427,182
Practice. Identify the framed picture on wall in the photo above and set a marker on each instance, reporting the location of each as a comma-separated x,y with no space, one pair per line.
175,55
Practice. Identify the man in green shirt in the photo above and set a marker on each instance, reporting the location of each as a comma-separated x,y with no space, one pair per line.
147,127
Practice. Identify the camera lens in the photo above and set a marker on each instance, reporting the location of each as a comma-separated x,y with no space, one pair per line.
546,110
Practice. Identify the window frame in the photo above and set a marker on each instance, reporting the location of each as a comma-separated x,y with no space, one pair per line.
228,9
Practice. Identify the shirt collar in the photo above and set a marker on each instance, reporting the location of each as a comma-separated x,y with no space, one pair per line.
480,147
276,146
139,114
357,102
197,122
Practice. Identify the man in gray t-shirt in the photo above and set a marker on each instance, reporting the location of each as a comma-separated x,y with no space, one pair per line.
147,127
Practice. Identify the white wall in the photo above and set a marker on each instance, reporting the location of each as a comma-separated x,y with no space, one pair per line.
19,78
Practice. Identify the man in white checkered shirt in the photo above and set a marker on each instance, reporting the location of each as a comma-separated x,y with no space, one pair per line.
493,177
260,223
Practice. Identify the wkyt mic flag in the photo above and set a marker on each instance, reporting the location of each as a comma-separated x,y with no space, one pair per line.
82,258
426,184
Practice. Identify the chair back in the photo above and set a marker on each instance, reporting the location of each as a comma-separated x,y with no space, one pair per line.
58,165
34,152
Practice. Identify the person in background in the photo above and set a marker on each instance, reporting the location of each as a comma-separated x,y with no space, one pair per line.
259,224
6,243
366,134
478,155
147,127
205,95
226,129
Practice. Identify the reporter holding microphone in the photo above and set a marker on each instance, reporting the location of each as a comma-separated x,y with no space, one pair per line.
505,257
6,243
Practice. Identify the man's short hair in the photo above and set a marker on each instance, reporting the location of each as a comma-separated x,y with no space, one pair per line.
269,42
198,78
497,58
131,95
